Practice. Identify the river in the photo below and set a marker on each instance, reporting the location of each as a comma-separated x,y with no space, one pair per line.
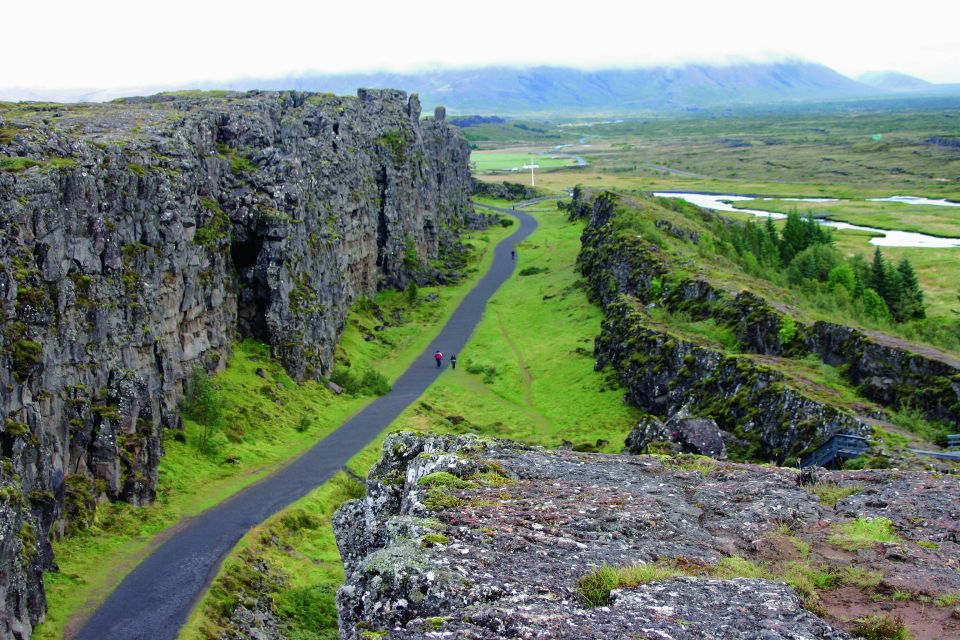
884,237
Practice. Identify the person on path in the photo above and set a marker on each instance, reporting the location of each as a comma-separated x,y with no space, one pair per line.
513,254
453,361
438,357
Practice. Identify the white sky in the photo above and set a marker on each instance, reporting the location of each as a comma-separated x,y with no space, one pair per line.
111,43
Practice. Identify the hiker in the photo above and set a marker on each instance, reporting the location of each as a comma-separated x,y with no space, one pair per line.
438,357
513,254
453,361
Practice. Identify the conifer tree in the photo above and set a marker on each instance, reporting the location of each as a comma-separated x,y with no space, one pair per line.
913,307
878,274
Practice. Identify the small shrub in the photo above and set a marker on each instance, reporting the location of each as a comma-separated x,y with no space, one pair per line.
26,354
862,533
374,383
371,383
595,587
488,371
880,628
303,424
788,330
532,271
830,493
506,222
204,405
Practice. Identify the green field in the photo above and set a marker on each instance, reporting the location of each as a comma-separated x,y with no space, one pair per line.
492,161
825,150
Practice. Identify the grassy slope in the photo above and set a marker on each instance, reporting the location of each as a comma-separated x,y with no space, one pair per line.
534,382
263,430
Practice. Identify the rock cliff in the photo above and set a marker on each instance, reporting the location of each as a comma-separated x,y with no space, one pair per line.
139,238
463,537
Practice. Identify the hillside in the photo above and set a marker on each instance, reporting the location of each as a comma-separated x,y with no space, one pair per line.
894,81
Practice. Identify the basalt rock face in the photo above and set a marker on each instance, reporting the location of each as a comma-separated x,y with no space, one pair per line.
462,537
767,418
138,239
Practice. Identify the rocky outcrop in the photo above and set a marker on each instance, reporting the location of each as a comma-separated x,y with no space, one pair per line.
472,538
682,433
768,418
626,272
137,239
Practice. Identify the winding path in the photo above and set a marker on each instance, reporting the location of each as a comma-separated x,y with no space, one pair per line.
154,600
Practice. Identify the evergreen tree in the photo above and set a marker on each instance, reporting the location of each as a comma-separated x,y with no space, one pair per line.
794,237
913,307
894,294
878,274
861,273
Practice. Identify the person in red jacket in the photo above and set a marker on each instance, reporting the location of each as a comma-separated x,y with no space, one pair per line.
438,357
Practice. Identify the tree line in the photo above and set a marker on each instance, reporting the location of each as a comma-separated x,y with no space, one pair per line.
803,249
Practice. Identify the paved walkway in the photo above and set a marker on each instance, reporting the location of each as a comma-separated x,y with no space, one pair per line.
154,600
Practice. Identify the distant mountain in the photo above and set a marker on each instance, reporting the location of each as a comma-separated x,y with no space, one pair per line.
894,81
563,90
507,90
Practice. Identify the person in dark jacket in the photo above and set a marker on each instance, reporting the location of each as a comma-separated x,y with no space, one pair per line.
439,358
453,361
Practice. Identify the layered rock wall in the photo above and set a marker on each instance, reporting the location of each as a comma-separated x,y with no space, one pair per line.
766,414
138,239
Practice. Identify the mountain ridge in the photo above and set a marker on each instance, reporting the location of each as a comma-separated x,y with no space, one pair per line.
508,90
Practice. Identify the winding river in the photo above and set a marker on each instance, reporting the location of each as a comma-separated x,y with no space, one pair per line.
884,237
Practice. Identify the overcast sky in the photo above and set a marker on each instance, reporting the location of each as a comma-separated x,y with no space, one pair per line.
106,43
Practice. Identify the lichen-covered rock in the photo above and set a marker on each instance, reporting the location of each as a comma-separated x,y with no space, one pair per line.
139,238
471,538
685,434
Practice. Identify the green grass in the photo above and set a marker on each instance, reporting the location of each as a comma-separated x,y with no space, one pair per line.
595,587
299,547
830,493
862,533
495,161
807,578
263,427
527,372
880,627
